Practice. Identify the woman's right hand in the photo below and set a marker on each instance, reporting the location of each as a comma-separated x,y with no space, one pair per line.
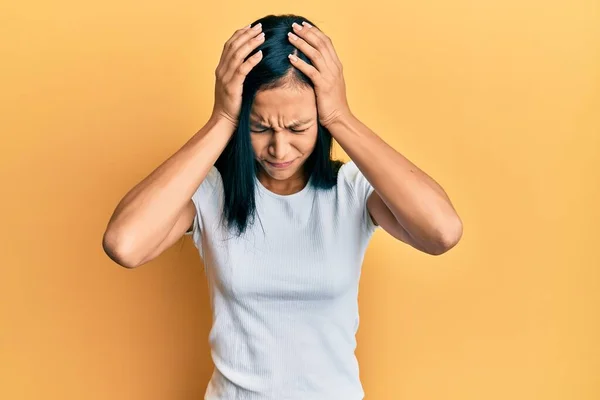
232,71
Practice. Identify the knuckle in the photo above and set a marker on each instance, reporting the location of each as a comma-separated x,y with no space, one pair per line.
242,52
246,48
247,66
227,90
243,69
237,55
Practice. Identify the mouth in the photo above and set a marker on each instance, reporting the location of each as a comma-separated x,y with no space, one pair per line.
280,165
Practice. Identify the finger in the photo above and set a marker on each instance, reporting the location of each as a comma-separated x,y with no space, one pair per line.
242,71
316,38
238,57
308,70
243,38
240,36
237,34
226,45
233,38
324,39
318,59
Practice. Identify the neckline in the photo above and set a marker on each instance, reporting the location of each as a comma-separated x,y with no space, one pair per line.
305,189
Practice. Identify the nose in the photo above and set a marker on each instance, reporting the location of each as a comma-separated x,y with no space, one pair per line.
279,147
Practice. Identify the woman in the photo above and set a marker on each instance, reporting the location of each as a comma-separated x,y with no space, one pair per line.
283,289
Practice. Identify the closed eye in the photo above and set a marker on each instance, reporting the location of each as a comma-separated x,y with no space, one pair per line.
293,130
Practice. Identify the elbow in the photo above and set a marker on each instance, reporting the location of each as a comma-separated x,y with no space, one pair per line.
448,237
114,248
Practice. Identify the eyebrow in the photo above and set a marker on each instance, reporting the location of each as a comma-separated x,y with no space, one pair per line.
293,125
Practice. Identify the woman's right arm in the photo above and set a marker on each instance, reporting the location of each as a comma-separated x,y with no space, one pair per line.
156,212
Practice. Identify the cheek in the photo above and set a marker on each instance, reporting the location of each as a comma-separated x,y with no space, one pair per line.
307,148
310,142
256,143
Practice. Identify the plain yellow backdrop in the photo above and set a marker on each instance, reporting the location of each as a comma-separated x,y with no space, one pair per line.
498,100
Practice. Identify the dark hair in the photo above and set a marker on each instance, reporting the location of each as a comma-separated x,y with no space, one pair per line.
236,164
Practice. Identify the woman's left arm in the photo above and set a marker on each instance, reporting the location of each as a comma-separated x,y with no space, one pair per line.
406,203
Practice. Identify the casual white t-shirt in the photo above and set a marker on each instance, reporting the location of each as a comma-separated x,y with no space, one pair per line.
284,294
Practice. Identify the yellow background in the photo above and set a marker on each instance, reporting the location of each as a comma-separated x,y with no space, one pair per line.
498,101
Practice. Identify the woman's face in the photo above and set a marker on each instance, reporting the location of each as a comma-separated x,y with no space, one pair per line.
283,129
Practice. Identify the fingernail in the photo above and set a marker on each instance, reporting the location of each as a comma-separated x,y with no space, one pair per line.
294,37
296,26
257,26
306,24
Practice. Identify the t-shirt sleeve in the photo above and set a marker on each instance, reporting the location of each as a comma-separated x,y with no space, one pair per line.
361,189
205,202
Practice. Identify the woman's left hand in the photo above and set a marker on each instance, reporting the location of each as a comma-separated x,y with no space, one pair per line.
326,72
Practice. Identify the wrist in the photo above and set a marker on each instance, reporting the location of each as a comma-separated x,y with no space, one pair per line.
343,118
223,119
223,123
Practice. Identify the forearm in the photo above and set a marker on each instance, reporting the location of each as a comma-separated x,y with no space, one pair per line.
419,204
146,214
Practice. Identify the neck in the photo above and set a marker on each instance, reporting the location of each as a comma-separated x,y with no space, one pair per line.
292,185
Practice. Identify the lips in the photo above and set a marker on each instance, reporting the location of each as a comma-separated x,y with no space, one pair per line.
281,165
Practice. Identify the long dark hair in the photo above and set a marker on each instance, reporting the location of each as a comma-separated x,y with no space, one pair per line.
236,164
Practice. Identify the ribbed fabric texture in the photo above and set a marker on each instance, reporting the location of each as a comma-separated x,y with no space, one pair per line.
284,295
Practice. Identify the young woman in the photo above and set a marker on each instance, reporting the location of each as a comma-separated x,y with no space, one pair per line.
281,227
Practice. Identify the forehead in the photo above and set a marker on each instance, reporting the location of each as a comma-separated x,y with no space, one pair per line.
290,103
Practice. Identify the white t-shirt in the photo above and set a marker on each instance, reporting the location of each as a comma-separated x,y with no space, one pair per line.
285,301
